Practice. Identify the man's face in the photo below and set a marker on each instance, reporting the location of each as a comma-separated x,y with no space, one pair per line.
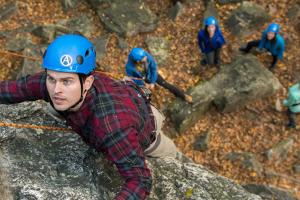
270,35
211,29
64,89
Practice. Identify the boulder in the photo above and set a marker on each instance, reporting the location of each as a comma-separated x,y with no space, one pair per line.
246,19
158,48
127,17
49,164
248,160
31,66
68,4
176,10
18,42
202,141
270,192
100,46
223,2
8,10
279,151
235,85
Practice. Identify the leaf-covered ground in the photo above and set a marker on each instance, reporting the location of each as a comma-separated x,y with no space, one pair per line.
254,128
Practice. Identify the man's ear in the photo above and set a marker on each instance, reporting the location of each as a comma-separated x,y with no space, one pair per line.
88,82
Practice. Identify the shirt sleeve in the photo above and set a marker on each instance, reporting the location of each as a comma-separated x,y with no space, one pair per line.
262,42
29,88
153,69
124,150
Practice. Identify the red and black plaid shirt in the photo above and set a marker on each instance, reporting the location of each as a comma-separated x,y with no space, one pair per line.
114,118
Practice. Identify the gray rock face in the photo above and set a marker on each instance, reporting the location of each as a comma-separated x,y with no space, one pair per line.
222,2
279,151
68,4
237,83
127,17
159,48
202,141
249,161
269,192
8,10
100,46
49,32
246,19
176,10
211,10
42,164
30,66
83,25
18,42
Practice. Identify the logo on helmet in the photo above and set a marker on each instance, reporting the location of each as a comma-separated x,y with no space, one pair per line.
66,60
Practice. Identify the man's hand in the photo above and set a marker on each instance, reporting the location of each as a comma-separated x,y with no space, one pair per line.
149,86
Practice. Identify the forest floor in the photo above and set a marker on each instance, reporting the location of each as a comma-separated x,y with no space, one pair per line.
254,128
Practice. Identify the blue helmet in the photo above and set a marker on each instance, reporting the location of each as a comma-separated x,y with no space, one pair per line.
137,54
273,27
70,53
210,21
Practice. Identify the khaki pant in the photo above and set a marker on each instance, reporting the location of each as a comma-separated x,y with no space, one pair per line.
162,146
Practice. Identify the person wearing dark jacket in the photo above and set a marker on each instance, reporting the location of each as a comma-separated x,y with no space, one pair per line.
210,41
271,41
111,116
142,69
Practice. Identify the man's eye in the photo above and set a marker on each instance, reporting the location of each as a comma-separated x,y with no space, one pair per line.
51,80
67,82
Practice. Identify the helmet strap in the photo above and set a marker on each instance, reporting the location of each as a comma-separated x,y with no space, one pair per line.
81,93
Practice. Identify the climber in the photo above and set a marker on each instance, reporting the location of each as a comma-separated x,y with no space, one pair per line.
210,41
293,104
142,69
111,116
271,41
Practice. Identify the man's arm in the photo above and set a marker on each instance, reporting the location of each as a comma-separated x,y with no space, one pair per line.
124,150
28,88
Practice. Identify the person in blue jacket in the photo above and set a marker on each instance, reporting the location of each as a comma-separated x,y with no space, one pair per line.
271,41
293,104
210,41
142,69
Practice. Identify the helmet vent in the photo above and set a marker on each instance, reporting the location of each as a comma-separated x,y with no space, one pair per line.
44,54
79,59
87,53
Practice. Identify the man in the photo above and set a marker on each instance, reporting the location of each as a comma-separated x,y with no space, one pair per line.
271,41
142,69
293,104
210,41
111,116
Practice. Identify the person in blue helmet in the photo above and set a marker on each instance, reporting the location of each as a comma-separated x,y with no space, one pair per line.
111,116
142,69
210,41
271,41
293,104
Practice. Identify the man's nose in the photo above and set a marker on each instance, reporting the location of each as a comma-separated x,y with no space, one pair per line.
57,87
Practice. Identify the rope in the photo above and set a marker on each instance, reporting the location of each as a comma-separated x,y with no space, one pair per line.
30,126
19,55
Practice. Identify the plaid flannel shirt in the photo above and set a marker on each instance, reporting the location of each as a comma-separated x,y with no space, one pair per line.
114,119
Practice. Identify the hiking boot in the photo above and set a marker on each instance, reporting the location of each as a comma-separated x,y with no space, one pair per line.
244,49
188,98
203,62
291,125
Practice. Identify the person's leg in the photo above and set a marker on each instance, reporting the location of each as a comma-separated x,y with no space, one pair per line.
292,119
217,53
210,58
162,146
250,45
177,92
